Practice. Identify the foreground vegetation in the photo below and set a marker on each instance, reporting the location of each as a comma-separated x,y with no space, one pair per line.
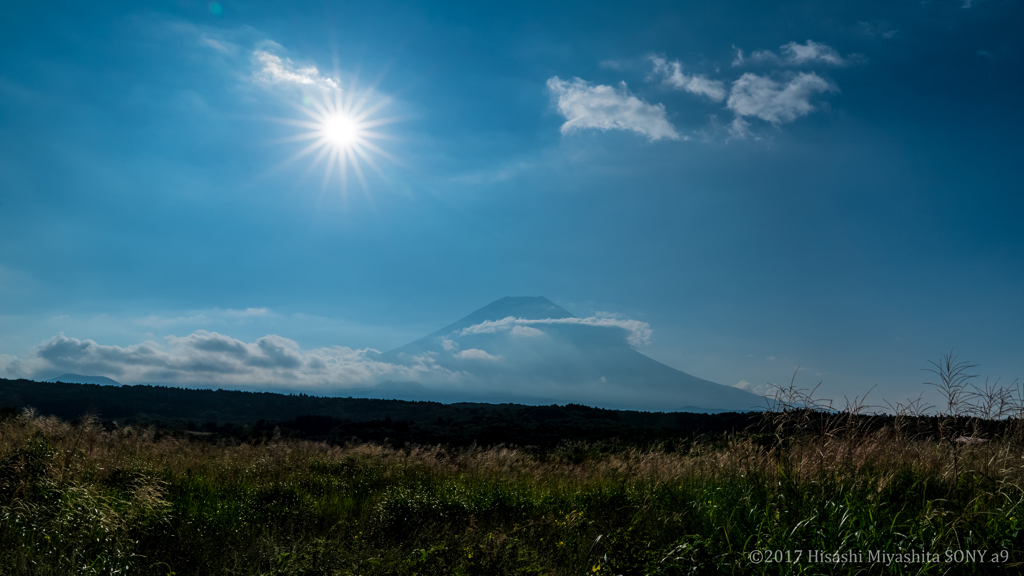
77,499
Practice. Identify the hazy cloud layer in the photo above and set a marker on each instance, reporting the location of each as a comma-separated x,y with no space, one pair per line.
214,315
773,101
672,75
585,105
639,332
211,358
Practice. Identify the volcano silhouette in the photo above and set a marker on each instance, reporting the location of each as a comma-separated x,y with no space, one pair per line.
530,350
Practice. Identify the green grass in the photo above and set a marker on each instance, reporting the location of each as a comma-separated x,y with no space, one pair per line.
75,499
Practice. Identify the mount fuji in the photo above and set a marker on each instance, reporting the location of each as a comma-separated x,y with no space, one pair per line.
529,350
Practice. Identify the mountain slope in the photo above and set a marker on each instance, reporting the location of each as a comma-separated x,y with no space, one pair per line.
530,347
80,379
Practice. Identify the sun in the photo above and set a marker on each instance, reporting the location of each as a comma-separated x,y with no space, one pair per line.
341,130
342,125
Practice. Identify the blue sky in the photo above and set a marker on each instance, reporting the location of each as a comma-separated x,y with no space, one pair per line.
830,185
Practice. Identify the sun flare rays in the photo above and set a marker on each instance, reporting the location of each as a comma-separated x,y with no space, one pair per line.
341,126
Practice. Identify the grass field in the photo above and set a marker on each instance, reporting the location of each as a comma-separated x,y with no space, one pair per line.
79,499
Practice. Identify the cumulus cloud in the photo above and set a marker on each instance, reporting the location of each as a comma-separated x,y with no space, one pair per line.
639,332
776,102
449,344
585,105
215,359
672,75
794,54
476,354
269,68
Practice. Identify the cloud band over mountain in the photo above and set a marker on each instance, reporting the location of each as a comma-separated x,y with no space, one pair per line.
639,332
211,358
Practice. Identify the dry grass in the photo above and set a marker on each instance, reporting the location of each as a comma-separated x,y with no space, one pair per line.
79,499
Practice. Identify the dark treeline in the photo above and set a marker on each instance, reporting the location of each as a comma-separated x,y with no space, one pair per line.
259,415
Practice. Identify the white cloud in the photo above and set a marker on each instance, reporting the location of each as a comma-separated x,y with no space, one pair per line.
639,332
673,76
776,102
215,359
449,345
812,52
585,105
270,68
526,332
793,54
476,354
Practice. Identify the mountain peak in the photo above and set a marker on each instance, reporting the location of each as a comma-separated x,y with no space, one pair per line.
529,307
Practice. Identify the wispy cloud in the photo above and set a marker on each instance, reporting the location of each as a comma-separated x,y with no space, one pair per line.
882,29
585,105
794,54
218,44
739,129
639,332
776,102
269,68
672,75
